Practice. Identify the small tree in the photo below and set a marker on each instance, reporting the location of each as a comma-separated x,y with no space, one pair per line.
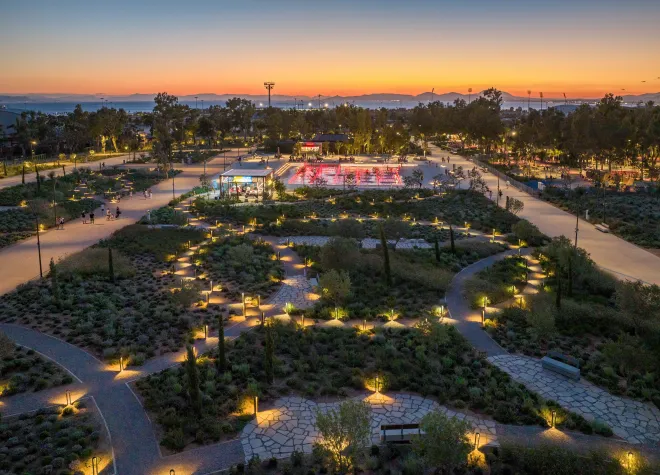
221,361
395,229
436,248
516,206
541,319
639,303
336,285
339,253
192,375
445,444
386,257
345,431
22,174
111,269
54,282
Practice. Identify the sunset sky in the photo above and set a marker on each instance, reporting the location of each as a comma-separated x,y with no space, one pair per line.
582,47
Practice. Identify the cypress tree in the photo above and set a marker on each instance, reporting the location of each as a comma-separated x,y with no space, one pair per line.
558,294
36,169
270,354
386,257
23,174
507,204
451,239
54,284
4,165
111,267
221,360
436,246
193,381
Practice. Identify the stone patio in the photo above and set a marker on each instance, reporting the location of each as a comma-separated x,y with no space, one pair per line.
290,424
295,289
634,421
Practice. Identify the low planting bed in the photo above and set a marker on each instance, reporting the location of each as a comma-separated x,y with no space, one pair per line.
241,264
497,283
433,360
634,217
55,440
22,370
455,207
419,280
139,315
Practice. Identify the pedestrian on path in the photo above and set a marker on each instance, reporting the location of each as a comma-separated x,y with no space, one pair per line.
84,218
130,194
91,217
102,209
108,215
61,225
117,213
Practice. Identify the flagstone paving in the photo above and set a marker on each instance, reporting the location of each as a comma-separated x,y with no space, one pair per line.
634,421
295,289
290,425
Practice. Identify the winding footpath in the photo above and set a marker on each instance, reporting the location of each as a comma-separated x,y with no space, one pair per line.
288,423
634,421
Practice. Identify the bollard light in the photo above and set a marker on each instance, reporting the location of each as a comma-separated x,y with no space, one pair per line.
95,466
630,461
302,316
211,289
336,313
206,331
377,383
121,364
483,318
67,396
256,406
477,436
172,472
553,419
263,318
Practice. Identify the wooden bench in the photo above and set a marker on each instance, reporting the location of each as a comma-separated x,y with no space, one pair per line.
399,433
562,364
603,228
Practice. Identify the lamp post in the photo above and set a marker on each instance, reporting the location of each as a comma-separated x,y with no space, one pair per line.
95,466
553,418
477,436
256,406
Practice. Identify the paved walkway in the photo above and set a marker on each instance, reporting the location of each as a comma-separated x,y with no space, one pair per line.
289,425
608,251
634,421
19,262
69,167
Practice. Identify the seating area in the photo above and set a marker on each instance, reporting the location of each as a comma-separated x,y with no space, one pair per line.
562,364
399,433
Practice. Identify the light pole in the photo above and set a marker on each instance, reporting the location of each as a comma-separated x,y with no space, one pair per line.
269,85
469,95
529,98
541,95
195,102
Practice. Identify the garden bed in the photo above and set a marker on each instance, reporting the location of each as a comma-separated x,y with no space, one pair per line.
23,370
54,440
137,316
634,217
497,283
241,265
419,280
433,360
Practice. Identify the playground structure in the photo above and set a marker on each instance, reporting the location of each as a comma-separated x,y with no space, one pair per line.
357,175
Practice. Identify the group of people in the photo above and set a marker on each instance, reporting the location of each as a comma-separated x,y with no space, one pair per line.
109,215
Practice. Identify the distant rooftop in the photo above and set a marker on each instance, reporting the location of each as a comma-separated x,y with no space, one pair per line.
259,172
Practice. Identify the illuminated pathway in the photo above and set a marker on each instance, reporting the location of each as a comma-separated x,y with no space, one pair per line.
635,421
610,252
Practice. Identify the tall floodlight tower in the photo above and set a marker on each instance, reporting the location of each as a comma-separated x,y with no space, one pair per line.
269,85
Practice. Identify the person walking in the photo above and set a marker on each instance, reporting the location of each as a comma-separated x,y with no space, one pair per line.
108,215
117,213
91,217
102,209
84,218
61,223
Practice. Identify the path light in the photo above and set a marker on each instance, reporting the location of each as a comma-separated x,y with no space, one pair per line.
206,331
121,364
95,466
553,418
67,395
302,316
211,289
336,313
377,383
630,461
485,302
172,472
364,325
483,318
256,406
477,436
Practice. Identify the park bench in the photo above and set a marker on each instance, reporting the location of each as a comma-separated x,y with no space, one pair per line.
562,364
603,228
399,433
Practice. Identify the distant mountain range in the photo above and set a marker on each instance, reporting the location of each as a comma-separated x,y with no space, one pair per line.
279,98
